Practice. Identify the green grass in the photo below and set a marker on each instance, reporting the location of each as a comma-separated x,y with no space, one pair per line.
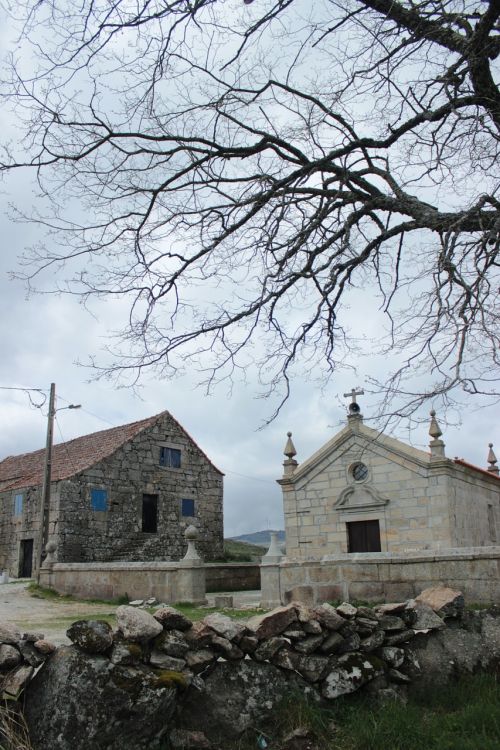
460,716
41,592
194,613
241,552
198,613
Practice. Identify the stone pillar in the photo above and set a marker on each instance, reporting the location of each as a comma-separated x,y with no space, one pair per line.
191,586
270,582
46,571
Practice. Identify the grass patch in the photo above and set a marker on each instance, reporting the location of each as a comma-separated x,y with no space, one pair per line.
461,716
41,592
198,613
240,552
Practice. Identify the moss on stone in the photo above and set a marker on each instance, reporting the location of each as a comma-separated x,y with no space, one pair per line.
169,678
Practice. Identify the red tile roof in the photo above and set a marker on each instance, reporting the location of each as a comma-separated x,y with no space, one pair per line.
490,474
74,456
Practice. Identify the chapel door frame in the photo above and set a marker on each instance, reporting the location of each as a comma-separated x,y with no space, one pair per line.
363,536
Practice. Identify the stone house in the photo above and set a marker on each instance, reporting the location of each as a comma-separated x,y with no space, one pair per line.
122,494
366,492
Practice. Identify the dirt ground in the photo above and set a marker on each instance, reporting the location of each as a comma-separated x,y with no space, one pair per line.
53,618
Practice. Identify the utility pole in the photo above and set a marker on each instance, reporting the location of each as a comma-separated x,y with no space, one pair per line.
45,499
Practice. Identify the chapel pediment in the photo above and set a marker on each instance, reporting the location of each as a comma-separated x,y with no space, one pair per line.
357,498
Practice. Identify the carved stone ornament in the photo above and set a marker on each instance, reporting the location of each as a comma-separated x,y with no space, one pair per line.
359,497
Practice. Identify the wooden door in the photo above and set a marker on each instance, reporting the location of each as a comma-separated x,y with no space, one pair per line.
364,536
26,558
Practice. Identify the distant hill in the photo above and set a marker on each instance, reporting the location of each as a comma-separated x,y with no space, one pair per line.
261,538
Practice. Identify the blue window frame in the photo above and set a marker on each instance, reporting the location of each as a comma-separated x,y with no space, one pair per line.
187,507
99,499
170,457
18,504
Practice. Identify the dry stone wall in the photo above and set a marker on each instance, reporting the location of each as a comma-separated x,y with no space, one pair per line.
201,685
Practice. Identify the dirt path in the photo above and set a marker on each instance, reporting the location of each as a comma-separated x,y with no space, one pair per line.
52,618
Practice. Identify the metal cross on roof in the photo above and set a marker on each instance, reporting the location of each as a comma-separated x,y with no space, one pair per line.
353,393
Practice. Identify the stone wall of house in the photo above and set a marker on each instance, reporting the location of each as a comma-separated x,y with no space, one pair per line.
87,535
380,576
18,529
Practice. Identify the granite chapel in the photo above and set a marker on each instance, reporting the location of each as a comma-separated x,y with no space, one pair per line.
366,492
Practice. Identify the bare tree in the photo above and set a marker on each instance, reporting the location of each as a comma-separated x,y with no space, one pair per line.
237,169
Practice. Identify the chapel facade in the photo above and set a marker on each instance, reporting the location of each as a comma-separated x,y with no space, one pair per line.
366,492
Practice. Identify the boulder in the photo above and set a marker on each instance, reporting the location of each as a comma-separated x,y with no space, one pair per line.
15,681
45,647
136,624
171,619
198,661
172,642
238,696
224,626
93,703
350,672
448,602
347,610
183,739
30,654
427,619
374,641
328,617
32,637
268,648
163,661
9,634
9,657
199,635
273,623
392,656
227,649
92,636
309,644
332,643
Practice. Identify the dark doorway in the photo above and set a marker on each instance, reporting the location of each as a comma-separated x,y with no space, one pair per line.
150,513
364,536
26,558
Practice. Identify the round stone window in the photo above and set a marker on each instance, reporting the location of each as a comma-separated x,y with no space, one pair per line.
359,472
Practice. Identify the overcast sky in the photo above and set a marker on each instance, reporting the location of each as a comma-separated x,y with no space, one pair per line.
43,337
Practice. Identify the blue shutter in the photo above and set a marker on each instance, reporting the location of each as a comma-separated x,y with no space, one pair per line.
187,507
18,504
99,499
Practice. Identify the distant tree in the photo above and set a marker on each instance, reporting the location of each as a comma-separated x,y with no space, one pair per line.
237,169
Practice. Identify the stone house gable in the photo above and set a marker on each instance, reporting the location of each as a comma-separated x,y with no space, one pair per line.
126,493
366,492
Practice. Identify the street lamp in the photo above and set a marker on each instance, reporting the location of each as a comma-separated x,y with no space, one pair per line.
45,499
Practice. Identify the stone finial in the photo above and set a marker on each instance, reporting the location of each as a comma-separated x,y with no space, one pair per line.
191,535
50,553
436,445
274,553
290,464
492,460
